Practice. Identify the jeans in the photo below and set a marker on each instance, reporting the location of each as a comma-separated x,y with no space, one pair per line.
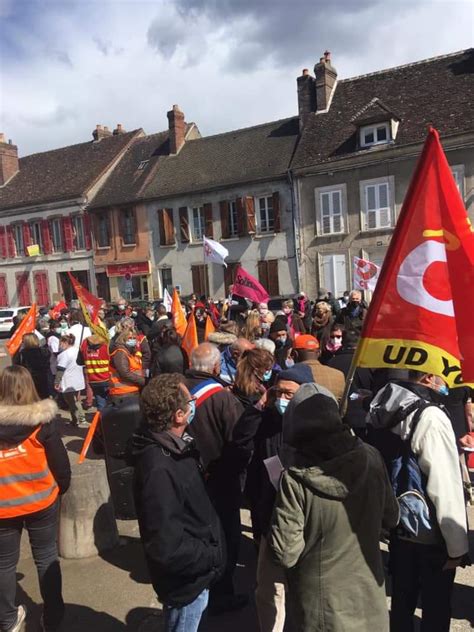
187,618
101,393
42,528
417,570
73,400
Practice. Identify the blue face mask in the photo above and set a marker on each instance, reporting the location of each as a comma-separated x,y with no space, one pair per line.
290,363
192,406
281,405
443,390
267,375
131,343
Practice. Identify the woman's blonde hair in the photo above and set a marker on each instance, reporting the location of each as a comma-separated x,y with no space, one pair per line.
17,387
250,368
30,341
251,329
124,336
289,303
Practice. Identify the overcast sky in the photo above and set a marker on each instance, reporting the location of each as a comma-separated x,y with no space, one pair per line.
68,65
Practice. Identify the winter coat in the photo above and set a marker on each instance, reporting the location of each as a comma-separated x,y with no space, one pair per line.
434,445
143,323
17,423
179,528
37,361
167,359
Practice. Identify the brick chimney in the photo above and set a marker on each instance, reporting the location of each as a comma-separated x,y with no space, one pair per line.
100,132
177,128
306,96
119,130
9,164
326,76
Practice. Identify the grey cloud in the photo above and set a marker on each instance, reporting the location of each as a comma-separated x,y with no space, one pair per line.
56,117
167,32
103,47
59,55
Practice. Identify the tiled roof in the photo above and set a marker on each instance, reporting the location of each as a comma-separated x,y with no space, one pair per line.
62,174
437,91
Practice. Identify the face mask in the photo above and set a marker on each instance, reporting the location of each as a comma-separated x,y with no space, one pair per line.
443,390
57,330
282,339
290,363
281,405
192,406
336,339
131,343
134,314
267,375
265,326
121,307
64,326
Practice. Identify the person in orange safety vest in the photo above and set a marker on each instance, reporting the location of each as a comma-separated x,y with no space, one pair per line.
126,368
94,356
34,471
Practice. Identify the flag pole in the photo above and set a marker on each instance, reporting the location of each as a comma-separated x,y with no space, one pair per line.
350,377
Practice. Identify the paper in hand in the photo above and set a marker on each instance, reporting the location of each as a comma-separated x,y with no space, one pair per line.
274,468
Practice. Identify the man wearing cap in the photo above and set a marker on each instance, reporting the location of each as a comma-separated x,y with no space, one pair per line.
257,436
306,351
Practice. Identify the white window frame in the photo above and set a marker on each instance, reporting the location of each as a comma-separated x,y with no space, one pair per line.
56,227
363,184
318,201
197,237
268,219
35,227
233,219
18,239
78,223
336,292
374,129
458,175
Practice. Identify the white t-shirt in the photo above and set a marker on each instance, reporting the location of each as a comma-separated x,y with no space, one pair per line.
53,346
73,377
76,331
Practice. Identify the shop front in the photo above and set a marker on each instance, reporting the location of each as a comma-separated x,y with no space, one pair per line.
130,280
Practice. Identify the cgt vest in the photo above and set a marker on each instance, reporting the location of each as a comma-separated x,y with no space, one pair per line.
117,385
97,363
26,482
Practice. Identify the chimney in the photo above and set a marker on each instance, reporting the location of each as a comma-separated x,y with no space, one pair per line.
326,76
9,164
119,130
177,127
101,132
306,96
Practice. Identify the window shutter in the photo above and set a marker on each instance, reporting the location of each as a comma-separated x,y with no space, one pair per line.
87,232
168,223
3,291
68,235
263,273
23,288
276,211
40,280
46,237
196,280
161,226
3,242
26,236
208,227
273,287
224,208
184,224
250,214
11,242
241,222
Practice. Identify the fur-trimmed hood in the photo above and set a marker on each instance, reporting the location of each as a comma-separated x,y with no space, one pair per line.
42,412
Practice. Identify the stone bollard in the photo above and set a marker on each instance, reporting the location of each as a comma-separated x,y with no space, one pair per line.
87,521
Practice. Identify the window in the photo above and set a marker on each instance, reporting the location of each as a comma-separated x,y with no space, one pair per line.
458,175
57,234
266,216
200,280
197,223
166,280
103,235
331,206
377,203
374,134
18,238
233,226
35,229
333,274
78,232
142,164
128,227
268,276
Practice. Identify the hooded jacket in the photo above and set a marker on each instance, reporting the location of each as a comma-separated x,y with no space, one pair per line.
17,423
330,510
434,445
179,528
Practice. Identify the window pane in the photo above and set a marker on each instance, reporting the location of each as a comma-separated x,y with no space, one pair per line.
57,235
78,232
368,137
336,202
384,217
381,133
326,224
232,219
198,224
337,223
370,192
383,195
325,203
18,236
270,215
371,219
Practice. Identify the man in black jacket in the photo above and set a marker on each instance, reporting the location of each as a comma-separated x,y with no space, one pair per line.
179,528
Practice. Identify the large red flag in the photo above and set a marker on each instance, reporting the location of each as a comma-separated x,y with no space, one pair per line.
421,312
90,306
247,286
27,325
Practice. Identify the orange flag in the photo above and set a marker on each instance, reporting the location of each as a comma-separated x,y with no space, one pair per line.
420,316
27,325
177,311
209,327
89,436
190,338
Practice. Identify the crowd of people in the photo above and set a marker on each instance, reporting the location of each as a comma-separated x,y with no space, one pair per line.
250,417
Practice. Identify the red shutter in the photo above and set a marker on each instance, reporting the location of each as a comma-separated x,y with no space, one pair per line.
46,237
184,224
26,236
241,222
40,281
87,232
276,211
23,289
273,287
68,235
11,242
3,243
3,291
224,210
208,227
250,214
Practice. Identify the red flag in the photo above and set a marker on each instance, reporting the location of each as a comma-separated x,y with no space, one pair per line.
55,311
90,306
27,325
177,311
190,338
245,285
421,313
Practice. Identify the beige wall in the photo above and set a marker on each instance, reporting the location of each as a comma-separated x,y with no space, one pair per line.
117,252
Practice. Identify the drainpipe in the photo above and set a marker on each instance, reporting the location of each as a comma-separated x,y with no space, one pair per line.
296,227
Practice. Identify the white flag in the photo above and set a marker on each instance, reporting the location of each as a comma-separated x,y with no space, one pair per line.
214,252
167,302
366,274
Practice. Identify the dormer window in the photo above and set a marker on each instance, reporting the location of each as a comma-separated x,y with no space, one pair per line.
374,134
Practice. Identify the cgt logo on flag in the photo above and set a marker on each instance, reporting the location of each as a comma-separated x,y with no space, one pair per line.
366,274
214,252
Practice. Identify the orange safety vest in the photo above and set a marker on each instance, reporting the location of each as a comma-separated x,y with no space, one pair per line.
118,386
26,482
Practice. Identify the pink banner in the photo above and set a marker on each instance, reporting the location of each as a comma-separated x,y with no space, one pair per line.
248,287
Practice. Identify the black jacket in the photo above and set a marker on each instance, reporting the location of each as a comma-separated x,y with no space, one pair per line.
143,323
36,360
167,359
179,528
17,423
